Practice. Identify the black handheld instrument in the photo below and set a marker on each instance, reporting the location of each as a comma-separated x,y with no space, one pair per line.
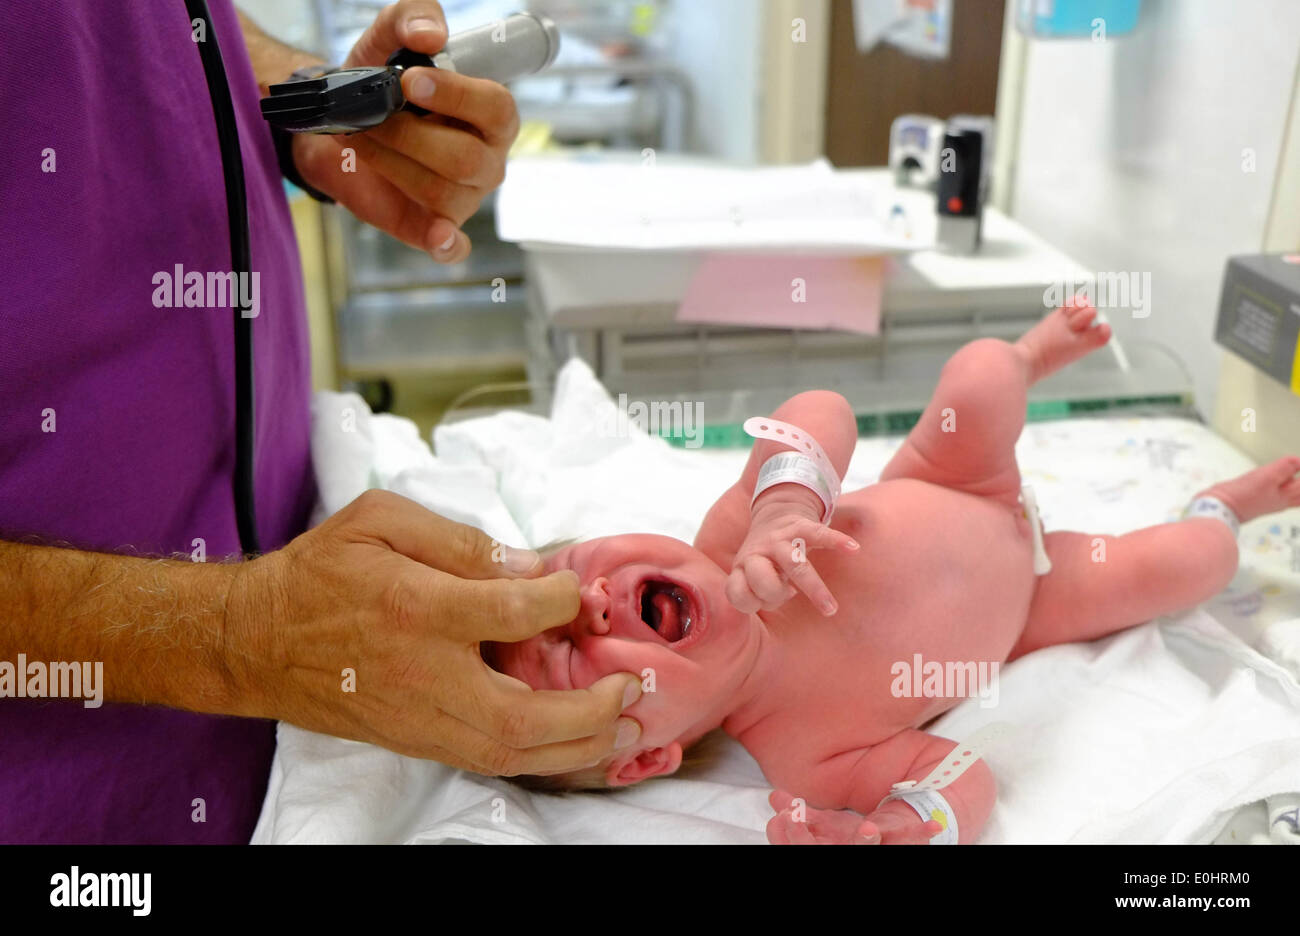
349,100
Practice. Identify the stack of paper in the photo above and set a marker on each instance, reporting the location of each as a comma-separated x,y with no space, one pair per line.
649,205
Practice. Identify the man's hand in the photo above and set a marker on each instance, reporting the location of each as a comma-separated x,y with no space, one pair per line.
417,178
401,597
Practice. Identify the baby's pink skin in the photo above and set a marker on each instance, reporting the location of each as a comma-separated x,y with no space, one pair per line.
944,570
696,682
770,678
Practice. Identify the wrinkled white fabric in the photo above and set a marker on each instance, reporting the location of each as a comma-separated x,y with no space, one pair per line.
1157,734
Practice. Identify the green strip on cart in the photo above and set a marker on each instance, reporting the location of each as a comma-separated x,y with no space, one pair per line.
731,435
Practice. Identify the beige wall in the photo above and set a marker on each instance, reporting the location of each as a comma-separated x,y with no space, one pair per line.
307,225
792,81
1131,158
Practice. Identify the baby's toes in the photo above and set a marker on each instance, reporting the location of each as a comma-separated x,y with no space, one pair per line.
1290,486
1283,471
1079,317
1098,336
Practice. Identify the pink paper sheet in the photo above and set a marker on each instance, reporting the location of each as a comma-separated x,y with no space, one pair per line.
767,291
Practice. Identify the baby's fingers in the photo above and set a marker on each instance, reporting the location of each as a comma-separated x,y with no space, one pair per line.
801,574
798,833
917,835
777,830
819,536
765,582
899,830
780,800
738,593
783,829
868,834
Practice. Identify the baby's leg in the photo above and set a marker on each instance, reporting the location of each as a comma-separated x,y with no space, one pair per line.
966,437
1102,584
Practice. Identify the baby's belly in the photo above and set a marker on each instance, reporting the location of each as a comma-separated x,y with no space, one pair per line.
930,607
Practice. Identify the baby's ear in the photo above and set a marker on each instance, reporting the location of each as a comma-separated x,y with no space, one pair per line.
656,762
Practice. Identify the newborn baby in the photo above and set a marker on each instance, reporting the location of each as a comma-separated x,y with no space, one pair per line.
794,653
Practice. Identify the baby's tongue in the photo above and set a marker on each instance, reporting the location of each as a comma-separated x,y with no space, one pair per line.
670,616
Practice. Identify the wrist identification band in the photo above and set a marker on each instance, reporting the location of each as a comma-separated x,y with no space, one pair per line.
807,465
1215,508
924,796
791,467
930,804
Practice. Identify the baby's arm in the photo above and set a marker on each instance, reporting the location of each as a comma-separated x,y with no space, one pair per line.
859,780
738,537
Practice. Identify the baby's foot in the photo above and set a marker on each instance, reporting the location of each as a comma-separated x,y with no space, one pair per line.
1265,490
1061,338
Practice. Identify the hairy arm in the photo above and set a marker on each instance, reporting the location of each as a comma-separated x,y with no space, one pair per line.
157,625
273,61
365,627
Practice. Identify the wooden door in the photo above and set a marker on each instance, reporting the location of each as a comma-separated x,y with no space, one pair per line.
864,93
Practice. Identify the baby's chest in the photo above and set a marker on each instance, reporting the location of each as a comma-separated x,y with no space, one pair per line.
938,573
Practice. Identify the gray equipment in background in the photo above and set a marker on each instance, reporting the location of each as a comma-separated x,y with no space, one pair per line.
397,313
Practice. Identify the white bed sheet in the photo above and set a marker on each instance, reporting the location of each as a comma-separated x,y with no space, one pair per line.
1177,731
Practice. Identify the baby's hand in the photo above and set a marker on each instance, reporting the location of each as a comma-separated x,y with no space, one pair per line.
801,825
772,563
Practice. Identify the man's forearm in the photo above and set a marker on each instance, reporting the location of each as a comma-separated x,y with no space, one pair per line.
273,61
157,625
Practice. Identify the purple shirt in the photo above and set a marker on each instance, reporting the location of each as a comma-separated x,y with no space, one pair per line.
142,397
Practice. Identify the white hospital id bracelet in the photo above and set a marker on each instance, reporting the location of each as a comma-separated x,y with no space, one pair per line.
806,465
793,468
930,804
1215,508
924,796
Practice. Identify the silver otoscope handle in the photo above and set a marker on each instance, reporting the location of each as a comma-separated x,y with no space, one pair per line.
518,45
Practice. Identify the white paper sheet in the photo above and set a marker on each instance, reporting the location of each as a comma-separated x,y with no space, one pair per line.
651,204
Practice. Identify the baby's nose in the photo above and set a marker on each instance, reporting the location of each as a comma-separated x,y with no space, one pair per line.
593,618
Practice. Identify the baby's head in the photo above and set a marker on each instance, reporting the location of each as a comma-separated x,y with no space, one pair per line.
654,606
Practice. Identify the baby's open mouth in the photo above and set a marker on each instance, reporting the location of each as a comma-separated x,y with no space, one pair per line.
667,609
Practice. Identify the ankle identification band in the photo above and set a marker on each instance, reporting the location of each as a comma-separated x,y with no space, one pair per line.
1215,508
807,465
924,796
